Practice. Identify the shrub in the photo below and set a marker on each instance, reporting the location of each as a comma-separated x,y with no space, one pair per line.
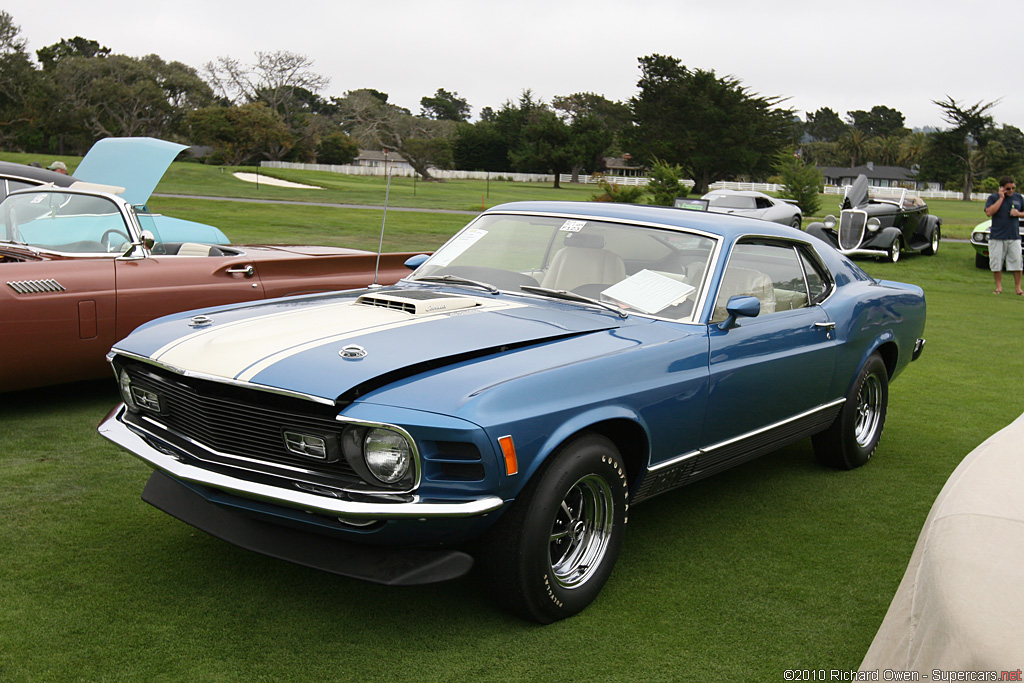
665,186
802,181
620,194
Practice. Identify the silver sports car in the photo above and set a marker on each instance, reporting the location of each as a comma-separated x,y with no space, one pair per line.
754,204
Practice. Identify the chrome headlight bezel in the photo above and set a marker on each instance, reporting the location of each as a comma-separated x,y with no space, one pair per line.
830,222
360,442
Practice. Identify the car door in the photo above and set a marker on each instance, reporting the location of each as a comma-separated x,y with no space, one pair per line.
155,285
58,321
774,369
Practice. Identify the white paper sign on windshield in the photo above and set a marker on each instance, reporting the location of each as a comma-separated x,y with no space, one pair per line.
649,292
457,246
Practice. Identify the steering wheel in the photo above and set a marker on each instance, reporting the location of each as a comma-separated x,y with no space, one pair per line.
105,239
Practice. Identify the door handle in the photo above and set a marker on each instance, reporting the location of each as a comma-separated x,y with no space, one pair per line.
246,270
826,326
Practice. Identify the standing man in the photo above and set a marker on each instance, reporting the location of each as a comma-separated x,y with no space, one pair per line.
1005,207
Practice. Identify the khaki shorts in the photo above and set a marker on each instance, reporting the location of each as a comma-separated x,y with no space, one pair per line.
1006,252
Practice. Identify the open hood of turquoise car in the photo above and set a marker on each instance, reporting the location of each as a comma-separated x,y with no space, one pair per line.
136,164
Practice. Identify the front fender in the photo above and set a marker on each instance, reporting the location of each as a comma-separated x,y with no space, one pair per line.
581,422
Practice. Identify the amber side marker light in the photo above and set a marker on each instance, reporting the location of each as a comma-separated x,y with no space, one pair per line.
508,449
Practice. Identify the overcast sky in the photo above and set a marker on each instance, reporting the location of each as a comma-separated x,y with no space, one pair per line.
900,53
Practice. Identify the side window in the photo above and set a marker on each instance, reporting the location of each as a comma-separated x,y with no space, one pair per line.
771,272
819,283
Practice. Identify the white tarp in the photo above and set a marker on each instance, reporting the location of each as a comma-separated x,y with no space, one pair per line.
960,606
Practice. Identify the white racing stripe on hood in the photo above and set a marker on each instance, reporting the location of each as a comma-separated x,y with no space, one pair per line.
242,349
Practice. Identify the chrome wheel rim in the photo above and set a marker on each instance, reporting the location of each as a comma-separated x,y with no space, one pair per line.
935,240
869,410
581,531
894,252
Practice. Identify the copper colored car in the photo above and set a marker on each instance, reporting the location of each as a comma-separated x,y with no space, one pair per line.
82,268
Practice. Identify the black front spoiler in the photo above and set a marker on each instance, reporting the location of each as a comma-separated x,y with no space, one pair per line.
387,565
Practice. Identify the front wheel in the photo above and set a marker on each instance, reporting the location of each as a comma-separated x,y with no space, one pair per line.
893,254
550,554
933,244
980,261
853,436
797,222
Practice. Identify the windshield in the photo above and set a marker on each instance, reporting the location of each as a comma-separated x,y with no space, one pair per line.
732,201
647,270
65,222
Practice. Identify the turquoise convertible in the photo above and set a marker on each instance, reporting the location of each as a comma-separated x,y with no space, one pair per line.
547,369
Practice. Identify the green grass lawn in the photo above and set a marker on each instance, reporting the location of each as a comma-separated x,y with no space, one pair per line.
775,565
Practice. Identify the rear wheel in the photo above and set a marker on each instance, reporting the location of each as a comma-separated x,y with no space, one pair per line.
797,222
550,554
853,436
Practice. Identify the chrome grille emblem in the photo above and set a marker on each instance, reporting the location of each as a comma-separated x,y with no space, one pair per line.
306,444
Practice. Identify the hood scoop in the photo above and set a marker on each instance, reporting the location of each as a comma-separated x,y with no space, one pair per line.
417,302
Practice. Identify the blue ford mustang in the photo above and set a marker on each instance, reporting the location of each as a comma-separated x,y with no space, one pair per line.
550,366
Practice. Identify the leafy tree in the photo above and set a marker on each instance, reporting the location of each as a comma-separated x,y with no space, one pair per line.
854,144
713,127
18,80
546,145
240,134
337,148
70,47
444,106
970,125
375,124
803,182
480,147
120,96
825,125
664,186
881,121
598,125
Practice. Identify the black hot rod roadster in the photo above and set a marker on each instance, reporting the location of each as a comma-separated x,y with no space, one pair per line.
880,227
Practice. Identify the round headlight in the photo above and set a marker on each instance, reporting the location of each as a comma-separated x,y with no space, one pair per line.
125,385
980,237
388,455
874,224
830,221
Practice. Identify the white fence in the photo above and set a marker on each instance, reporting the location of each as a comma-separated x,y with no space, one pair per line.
404,171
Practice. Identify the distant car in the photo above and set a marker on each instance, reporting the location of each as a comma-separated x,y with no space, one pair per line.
882,228
979,240
82,268
552,365
753,204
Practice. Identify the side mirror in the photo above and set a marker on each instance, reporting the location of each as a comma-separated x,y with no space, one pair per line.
148,240
745,306
414,262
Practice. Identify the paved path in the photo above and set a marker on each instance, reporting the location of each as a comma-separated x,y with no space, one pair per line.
327,204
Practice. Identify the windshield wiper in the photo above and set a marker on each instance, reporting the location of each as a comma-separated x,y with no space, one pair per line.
456,280
573,296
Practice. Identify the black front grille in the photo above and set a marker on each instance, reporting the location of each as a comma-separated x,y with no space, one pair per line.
851,228
233,423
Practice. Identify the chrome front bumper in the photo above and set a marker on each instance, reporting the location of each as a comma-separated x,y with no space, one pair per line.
141,445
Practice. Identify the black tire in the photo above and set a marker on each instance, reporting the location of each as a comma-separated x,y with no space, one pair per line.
797,222
980,261
893,253
853,436
933,243
550,554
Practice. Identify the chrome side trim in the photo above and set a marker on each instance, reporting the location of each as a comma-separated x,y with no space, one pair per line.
114,429
722,444
220,380
36,286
